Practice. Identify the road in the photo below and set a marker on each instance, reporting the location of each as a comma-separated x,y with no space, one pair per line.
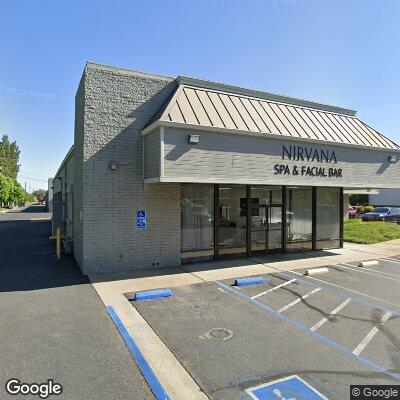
53,324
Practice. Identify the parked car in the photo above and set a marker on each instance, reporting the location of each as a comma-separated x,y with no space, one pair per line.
383,214
394,215
352,212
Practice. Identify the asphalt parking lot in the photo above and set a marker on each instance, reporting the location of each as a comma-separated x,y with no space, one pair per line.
53,324
330,330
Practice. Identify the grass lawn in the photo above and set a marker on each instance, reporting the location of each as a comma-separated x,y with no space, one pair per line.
3,209
357,231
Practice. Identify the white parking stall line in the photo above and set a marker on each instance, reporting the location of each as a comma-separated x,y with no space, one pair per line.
274,288
362,270
333,312
394,260
369,269
298,300
348,289
370,335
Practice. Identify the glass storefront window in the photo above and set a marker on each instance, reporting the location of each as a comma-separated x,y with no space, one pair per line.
197,219
299,218
328,218
265,217
232,219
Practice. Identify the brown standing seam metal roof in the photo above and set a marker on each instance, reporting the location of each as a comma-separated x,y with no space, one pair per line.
206,107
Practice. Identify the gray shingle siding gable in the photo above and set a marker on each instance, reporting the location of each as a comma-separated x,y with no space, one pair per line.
117,105
152,154
232,158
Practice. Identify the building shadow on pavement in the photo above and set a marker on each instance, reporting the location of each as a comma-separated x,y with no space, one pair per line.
27,256
29,209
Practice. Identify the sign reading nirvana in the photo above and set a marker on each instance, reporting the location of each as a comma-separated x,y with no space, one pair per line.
309,155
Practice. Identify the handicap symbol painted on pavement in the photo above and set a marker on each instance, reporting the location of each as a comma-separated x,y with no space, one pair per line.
289,388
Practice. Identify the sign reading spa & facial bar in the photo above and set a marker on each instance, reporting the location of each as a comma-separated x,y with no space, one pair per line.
308,155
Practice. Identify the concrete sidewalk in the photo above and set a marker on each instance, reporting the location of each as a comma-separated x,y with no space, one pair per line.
109,284
175,379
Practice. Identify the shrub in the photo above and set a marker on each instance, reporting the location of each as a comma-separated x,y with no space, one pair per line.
368,209
360,209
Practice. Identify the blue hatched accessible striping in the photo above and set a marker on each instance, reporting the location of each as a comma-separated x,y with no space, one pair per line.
300,326
289,388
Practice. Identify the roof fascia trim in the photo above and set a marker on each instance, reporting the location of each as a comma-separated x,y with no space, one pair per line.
379,133
157,123
250,181
126,71
171,103
267,135
64,161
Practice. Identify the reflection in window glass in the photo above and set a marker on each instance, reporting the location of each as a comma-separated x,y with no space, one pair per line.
266,218
274,228
232,223
197,217
328,217
276,195
299,218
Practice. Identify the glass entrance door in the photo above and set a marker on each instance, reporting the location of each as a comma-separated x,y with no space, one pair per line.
232,220
266,229
266,219
259,232
274,228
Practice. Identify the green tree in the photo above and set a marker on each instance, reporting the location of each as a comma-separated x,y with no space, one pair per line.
5,188
356,199
17,193
11,191
40,194
9,158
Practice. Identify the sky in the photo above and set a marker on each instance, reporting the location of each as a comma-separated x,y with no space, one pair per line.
345,53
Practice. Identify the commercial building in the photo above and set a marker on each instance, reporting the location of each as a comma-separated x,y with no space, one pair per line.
169,170
49,195
385,197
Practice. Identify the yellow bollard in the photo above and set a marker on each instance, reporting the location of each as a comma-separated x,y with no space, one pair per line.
58,243
58,238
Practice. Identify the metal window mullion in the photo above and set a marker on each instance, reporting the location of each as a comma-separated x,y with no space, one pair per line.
314,218
248,220
284,222
216,221
341,217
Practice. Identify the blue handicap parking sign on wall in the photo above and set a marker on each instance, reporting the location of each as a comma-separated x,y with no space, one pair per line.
289,388
141,219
